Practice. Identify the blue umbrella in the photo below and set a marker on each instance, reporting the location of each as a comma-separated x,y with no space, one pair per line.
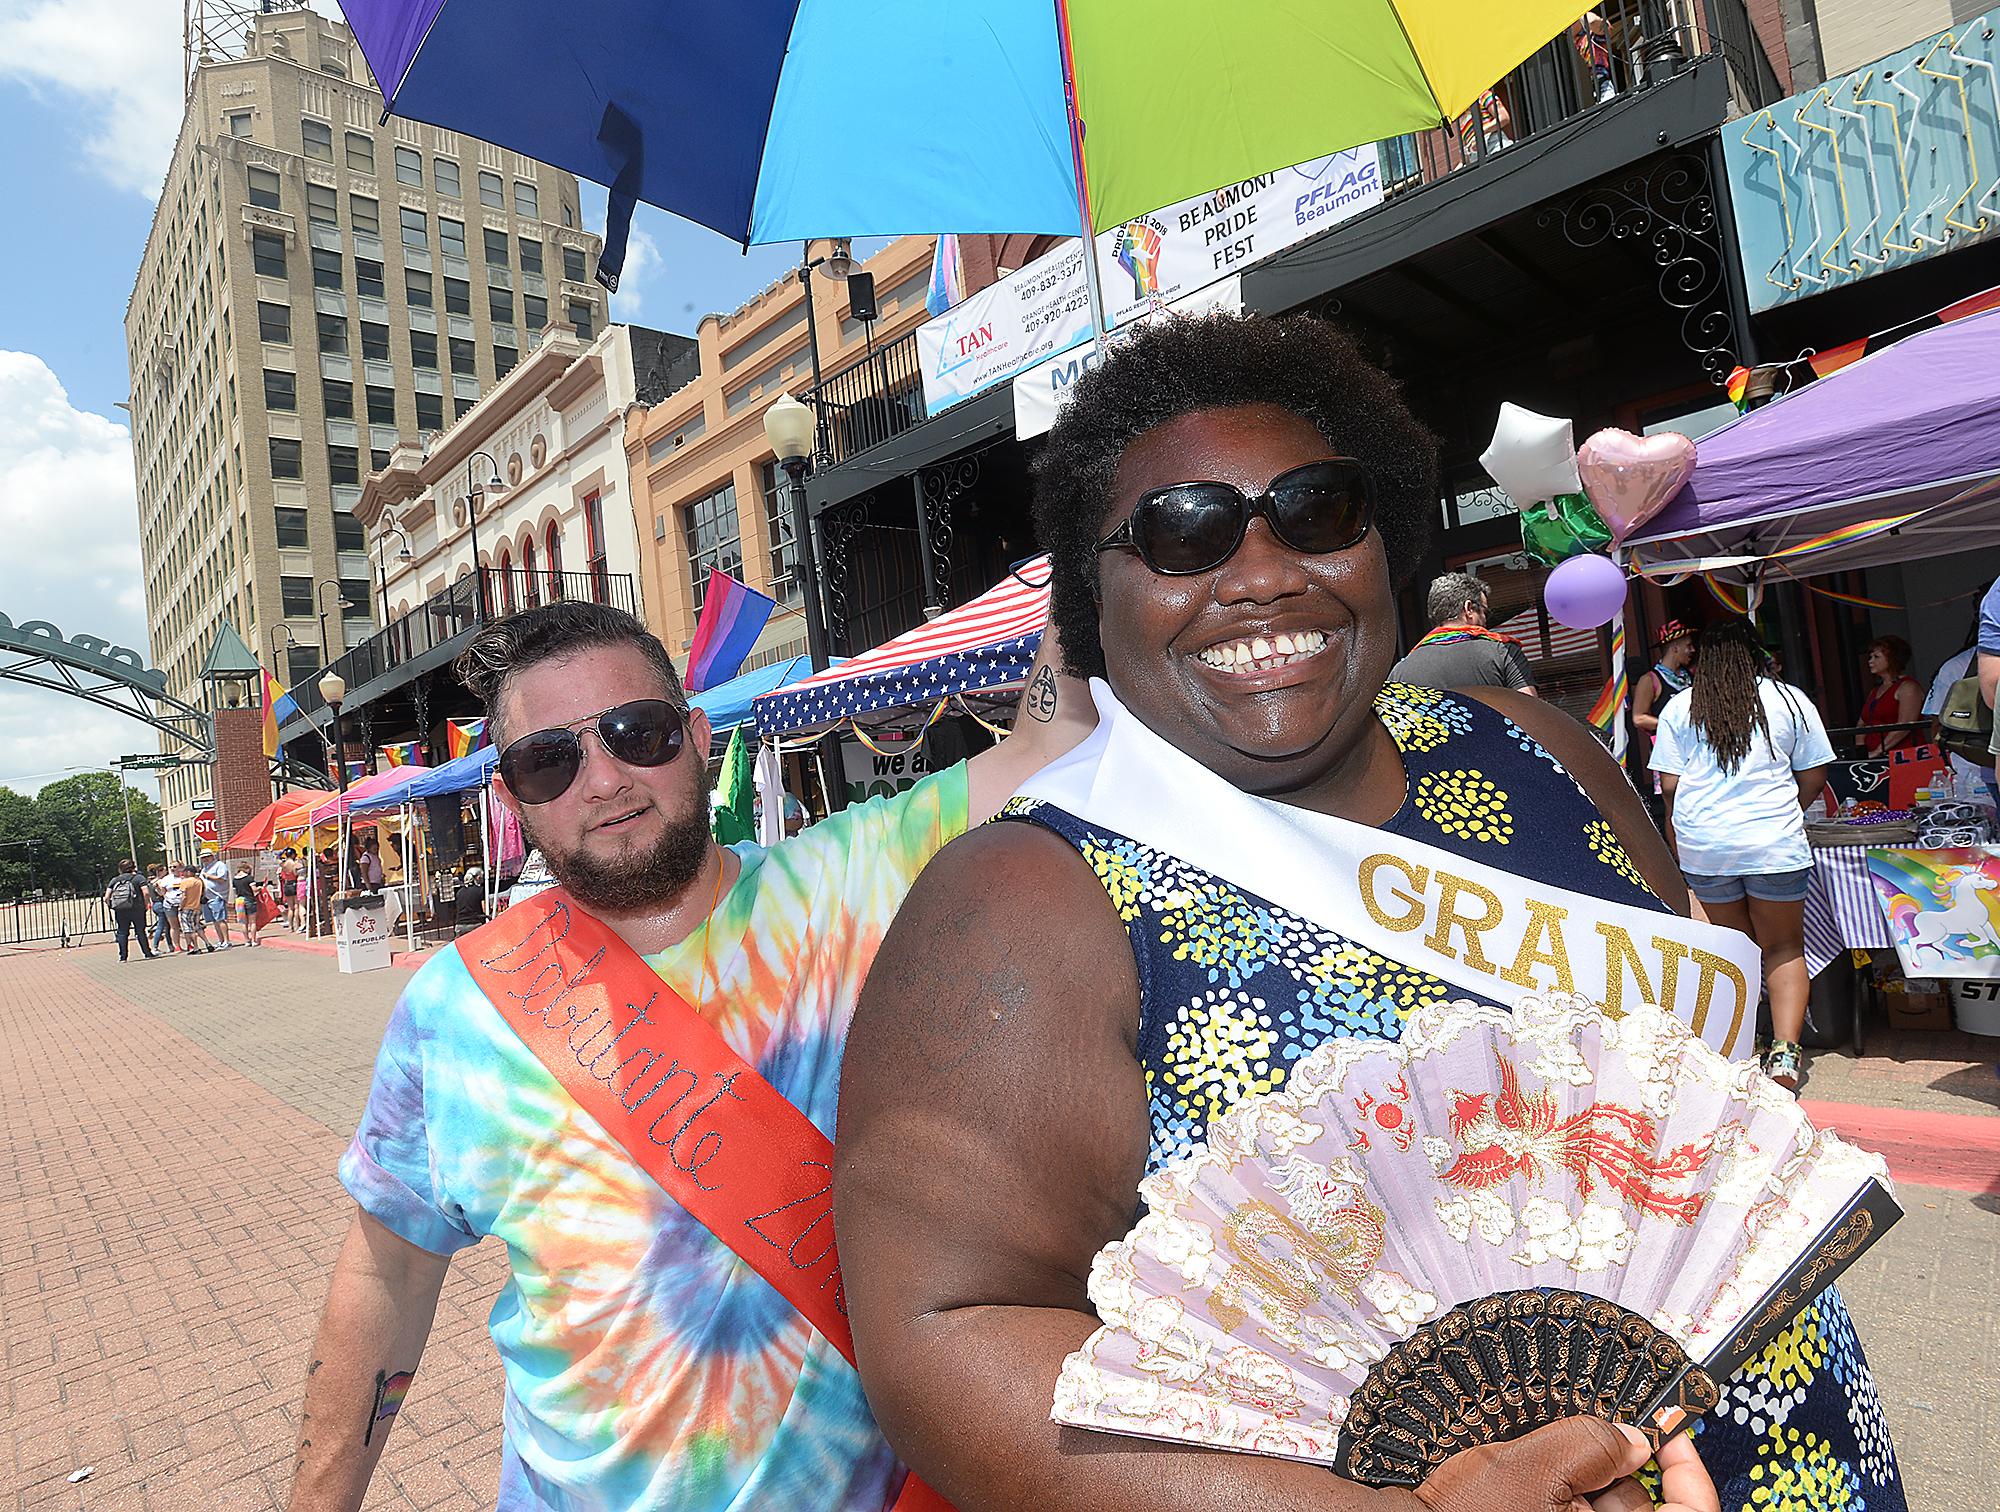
765,120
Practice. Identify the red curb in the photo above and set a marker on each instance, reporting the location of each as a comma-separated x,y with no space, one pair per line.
1956,1150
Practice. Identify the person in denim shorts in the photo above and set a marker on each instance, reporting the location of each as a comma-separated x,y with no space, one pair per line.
1739,756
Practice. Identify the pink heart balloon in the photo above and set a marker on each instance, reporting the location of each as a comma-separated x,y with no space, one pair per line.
1630,478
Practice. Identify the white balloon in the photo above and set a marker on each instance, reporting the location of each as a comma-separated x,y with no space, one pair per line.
1532,457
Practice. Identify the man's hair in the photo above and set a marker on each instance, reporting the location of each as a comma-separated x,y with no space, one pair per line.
1451,595
551,633
1181,366
127,864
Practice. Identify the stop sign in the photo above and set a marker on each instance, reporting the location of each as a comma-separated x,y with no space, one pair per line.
205,831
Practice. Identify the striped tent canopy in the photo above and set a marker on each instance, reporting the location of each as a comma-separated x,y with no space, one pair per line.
985,646
1559,641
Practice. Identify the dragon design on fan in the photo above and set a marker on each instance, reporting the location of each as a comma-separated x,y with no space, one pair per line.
1513,1133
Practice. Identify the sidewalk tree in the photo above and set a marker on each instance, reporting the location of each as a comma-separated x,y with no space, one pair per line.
75,834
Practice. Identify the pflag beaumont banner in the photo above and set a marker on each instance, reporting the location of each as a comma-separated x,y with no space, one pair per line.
1043,309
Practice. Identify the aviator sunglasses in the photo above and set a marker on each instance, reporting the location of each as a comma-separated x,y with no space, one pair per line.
1187,528
539,767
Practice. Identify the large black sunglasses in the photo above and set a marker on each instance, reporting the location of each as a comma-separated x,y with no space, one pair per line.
539,767
1187,528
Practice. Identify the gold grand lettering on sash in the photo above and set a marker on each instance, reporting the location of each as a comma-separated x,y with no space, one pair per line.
1545,922
1416,876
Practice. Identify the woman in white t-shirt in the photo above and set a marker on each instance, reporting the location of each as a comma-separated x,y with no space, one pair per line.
1739,755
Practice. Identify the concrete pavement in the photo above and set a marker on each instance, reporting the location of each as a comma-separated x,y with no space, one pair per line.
172,1130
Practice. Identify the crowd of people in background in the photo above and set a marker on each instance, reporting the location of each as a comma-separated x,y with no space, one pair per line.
1730,757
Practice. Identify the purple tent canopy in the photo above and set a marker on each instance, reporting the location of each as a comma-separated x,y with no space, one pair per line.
1913,427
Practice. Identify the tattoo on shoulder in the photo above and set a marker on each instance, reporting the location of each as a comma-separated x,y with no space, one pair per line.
1041,697
390,1390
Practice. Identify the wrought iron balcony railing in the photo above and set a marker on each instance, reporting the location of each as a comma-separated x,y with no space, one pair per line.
447,617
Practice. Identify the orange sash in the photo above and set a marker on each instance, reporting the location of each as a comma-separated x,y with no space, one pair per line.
718,1138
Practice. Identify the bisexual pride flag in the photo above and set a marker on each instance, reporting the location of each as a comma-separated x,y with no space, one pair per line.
732,617
464,736
404,753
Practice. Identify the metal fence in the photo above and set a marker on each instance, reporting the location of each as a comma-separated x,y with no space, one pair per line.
66,920
491,594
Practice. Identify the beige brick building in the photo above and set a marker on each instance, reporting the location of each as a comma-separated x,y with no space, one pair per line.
318,285
704,483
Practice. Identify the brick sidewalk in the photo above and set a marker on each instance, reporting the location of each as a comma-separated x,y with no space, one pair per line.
165,1246
174,1127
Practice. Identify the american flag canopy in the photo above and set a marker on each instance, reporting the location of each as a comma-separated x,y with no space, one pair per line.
985,646
1527,628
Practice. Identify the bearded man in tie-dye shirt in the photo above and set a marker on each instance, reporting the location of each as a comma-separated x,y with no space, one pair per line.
646,1365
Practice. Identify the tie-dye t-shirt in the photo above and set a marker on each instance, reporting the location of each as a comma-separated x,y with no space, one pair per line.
646,1366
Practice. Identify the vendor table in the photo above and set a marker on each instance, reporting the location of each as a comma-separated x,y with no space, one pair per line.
1841,908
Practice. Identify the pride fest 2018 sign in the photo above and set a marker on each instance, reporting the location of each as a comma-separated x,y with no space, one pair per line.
1146,264
1943,908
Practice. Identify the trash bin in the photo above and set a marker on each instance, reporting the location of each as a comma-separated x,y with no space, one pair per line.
1976,1005
361,932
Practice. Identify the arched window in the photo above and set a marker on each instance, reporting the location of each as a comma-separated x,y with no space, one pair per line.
554,542
529,573
506,581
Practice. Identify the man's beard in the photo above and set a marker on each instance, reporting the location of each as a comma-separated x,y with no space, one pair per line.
634,882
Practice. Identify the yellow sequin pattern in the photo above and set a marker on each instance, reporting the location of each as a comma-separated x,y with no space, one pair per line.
1467,804
1604,845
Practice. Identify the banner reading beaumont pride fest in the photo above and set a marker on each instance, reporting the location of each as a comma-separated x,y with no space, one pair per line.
1043,309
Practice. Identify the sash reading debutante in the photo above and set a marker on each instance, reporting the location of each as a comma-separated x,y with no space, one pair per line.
692,1113
1469,924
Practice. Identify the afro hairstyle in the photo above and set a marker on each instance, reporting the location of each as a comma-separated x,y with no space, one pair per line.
1181,365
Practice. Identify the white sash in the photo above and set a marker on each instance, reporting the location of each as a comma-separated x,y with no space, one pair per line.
1466,922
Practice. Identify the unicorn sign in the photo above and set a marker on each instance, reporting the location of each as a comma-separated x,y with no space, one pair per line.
1943,908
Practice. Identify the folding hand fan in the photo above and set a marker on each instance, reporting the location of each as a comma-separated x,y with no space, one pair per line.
1503,1218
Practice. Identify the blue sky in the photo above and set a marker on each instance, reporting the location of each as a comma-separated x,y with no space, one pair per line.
90,100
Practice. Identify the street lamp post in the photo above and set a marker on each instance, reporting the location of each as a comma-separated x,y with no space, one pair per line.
838,264
333,688
788,426
474,495
319,597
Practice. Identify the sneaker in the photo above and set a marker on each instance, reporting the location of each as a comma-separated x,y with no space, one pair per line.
1783,1064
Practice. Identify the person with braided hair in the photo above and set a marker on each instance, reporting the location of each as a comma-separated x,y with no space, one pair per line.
1739,756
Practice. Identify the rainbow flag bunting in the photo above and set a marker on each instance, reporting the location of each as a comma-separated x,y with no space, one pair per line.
1604,713
464,736
399,753
356,769
1860,530
732,617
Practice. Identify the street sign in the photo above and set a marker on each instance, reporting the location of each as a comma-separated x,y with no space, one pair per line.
148,763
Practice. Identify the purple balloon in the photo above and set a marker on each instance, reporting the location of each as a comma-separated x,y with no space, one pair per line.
1585,591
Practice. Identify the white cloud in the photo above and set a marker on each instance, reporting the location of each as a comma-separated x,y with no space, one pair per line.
643,264
114,69
69,515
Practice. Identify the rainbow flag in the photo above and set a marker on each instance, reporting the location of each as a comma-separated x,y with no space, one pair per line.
357,769
732,617
400,753
464,736
270,695
947,276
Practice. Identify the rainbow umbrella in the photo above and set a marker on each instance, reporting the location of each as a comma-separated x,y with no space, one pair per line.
776,120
